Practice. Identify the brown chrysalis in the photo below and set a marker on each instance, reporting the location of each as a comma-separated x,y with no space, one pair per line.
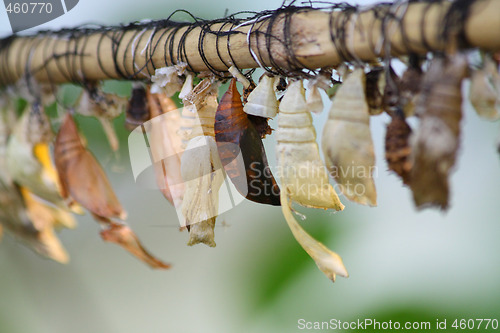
241,151
397,149
82,178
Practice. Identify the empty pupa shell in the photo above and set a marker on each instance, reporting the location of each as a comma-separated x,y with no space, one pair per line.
434,145
347,143
484,93
262,100
201,167
314,100
303,174
82,178
329,262
203,176
166,147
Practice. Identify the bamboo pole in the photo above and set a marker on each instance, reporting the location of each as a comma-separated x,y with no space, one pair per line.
97,56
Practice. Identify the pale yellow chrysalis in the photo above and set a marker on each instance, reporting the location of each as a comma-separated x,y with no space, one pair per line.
484,92
329,262
262,100
301,170
201,167
203,175
347,143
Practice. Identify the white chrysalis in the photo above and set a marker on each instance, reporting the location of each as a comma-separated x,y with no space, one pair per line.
303,174
262,100
347,143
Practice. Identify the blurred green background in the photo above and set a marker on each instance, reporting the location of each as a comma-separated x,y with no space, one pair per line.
404,265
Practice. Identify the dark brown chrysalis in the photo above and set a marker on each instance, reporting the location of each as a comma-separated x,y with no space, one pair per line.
137,108
373,90
397,148
241,151
435,143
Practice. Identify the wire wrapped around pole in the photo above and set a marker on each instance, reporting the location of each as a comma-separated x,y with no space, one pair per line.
287,40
